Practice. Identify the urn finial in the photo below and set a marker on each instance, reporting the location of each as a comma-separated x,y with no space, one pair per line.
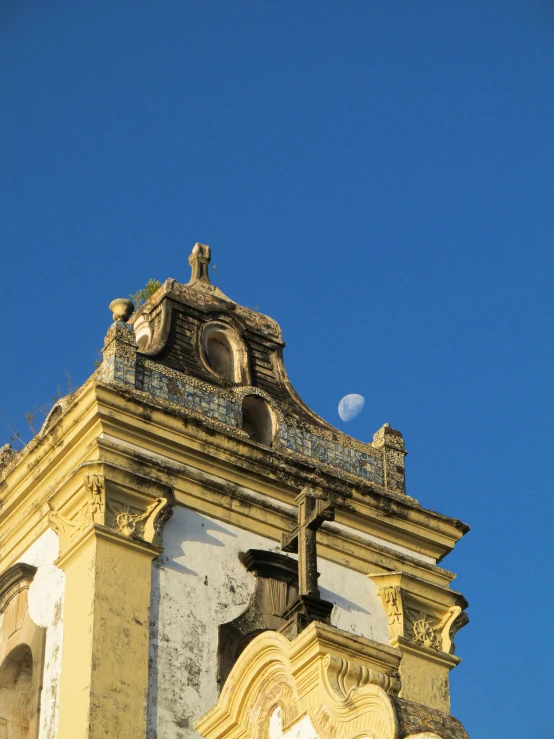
122,309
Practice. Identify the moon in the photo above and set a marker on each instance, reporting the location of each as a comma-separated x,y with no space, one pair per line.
351,406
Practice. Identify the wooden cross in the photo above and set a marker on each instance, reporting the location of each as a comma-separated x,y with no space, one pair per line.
313,510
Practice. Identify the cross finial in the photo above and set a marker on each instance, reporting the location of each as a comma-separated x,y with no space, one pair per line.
199,261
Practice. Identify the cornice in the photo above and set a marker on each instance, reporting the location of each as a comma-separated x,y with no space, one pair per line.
201,490
431,533
422,615
99,496
201,459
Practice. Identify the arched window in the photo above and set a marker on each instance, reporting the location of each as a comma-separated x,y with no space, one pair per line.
21,656
16,689
224,353
257,420
220,356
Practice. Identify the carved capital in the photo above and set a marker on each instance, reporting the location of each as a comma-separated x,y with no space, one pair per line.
102,495
421,612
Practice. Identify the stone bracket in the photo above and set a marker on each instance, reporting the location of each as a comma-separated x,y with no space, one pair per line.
420,612
104,495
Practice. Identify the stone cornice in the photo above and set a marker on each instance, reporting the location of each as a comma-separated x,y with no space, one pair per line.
268,514
213,470
431,533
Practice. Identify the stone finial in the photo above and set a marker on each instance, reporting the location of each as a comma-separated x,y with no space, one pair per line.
391,443
199,261
122,309
6,455
387,436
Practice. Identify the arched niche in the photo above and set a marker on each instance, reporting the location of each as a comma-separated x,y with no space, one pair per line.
16,689
224,353
21,656
257,419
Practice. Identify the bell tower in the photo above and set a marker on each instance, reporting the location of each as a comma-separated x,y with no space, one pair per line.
188,550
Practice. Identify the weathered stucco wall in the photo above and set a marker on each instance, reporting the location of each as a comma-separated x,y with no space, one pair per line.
46,609
198,584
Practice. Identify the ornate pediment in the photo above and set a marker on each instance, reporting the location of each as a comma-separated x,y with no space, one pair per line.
341,684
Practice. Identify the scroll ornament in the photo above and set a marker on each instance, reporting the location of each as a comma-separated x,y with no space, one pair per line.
98,508
413,618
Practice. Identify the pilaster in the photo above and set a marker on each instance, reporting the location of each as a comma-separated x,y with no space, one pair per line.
422,620
109,522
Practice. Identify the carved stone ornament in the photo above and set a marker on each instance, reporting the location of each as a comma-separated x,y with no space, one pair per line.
122,309
421,612
110,498
342,683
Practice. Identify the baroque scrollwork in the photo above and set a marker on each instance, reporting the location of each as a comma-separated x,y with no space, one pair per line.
343,677
108,504
91,511
147,524
307,681
426,614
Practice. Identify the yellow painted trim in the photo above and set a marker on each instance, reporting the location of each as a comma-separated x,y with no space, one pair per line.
104,680
309,676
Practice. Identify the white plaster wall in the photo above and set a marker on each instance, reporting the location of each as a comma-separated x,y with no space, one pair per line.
302,729
46,609
199,583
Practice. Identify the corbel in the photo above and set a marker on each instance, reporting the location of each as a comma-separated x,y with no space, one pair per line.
102,496
419,612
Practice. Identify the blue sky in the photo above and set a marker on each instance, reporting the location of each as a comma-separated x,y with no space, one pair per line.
376,176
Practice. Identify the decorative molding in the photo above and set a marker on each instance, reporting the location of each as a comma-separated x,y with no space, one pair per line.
308,676
421,612
131,505
138,525
344,676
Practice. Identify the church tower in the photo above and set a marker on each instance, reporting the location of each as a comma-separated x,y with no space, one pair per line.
187,550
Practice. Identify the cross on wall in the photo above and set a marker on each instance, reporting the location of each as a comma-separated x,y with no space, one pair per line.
313,511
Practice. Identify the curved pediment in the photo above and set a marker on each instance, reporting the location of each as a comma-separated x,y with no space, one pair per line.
339,685
208,350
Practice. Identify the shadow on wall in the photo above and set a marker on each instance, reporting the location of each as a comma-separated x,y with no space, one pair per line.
341,602
198,528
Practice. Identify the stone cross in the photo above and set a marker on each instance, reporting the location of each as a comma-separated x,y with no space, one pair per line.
313,510
199,261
